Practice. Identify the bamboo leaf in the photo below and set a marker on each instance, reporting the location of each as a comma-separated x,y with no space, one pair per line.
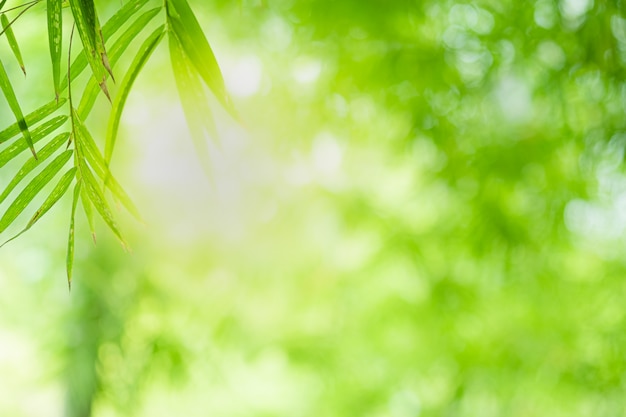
32,119
185,26
86,20
69,262
115,52
31,164
97,198
88,213
194,102
33,188
39,133
109,29
92,154
55,195
9,94
2,3
8,31
142,56
55,37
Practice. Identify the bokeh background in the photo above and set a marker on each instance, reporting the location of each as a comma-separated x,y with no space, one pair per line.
422,213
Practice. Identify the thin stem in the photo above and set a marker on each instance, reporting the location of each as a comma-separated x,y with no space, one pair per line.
30,3
18,16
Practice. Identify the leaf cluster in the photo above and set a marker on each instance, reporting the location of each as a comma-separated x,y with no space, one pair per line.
82,164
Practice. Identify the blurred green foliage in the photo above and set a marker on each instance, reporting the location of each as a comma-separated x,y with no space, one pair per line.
423,215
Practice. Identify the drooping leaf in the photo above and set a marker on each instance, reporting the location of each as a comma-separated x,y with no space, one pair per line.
33,188
194,102
55,37
8,31
92,154
90,92
32,119
9,94
142,56
69,261
185,26
88,212
31,164
55,195
109,29
86,20
39,133
99,202
2,3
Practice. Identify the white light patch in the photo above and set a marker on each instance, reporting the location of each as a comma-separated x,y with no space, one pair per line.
326,155
307,70
243,79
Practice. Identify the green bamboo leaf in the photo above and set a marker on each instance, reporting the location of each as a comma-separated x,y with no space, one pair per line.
39,133
2,3
88,213
142,56
69,262
32,119
115,52
7,88
31,164
97,198
55,195
185,26
92,154
33,188
55,37
194,102
8,31
86,20
108,30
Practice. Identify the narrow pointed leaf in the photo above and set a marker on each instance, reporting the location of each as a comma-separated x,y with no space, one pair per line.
2,3
9,94
69,262
39,133
31,164
55,195
33,188
55,38
92,154
184,24
88,212
85,17
194,102
97,198
32,119
115,52
8,31
108,30
142,56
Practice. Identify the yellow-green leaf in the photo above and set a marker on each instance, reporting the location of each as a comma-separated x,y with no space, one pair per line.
142,56
55,37
8,31
39,133
184,24
55,195
33,188
9,94
69,262
90,92
32,119
31,164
